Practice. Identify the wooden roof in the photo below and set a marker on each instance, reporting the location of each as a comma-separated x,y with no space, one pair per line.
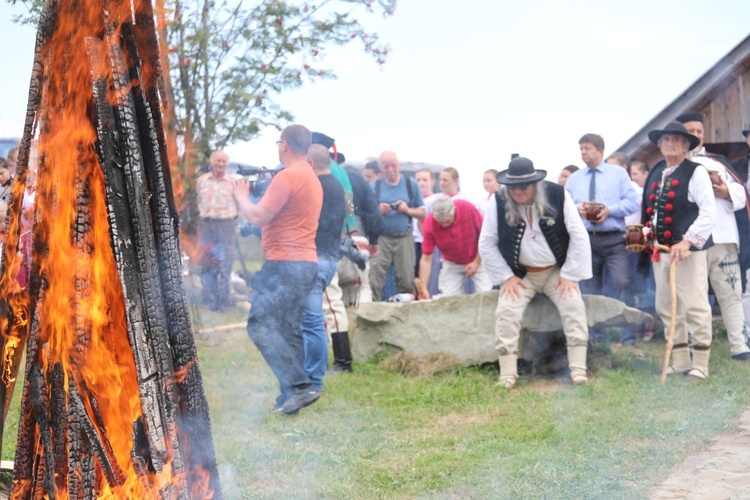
722,94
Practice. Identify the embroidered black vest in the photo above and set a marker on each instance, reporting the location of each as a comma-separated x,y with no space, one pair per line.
552,224
675,213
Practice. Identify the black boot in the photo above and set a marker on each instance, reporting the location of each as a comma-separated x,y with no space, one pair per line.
342,354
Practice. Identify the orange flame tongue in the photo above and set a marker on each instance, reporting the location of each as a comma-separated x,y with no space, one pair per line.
112,369
81,314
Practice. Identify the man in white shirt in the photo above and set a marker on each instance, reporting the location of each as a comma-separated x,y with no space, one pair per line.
679,209
533,241
723,257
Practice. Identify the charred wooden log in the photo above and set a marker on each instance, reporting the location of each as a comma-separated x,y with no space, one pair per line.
63,447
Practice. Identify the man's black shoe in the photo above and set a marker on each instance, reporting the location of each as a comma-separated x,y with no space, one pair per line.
297,401
745,356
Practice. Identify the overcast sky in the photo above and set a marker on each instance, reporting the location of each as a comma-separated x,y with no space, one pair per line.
467,86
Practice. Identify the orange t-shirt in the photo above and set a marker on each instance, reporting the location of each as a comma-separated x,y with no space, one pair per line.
295,197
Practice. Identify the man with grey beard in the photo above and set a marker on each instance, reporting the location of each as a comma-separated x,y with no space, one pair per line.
533,241
679,211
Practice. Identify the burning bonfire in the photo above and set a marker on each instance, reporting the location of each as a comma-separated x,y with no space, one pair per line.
113,401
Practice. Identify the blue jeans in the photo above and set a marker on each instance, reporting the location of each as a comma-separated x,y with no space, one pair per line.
314,326
216,242
279,292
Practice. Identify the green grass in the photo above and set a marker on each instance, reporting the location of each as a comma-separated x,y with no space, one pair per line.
377,434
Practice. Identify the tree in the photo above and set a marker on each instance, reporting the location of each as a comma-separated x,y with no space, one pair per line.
230,60
230,63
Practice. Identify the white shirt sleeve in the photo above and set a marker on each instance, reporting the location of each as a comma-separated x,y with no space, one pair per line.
737,193
577,264
492,259
701,193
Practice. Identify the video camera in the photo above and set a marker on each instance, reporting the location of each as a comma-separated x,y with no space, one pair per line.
259,177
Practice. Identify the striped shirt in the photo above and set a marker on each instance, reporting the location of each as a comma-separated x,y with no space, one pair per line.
215,198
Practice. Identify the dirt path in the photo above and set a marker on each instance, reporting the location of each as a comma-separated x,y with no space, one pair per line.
718,472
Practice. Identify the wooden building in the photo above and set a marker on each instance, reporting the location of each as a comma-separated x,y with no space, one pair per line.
722,95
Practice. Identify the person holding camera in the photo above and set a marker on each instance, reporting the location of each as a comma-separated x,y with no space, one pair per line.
218,215
400,200
288,213
327,242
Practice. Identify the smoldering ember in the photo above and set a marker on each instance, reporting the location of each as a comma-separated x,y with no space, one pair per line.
113,402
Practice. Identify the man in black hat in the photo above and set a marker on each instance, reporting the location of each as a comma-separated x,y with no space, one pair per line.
610,187
729,248
533,241
679,212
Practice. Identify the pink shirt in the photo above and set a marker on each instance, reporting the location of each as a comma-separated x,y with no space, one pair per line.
459,242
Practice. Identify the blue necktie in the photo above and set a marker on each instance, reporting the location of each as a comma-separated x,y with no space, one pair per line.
592,185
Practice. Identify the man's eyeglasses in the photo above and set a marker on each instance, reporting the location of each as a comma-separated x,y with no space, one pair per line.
278,143
520,187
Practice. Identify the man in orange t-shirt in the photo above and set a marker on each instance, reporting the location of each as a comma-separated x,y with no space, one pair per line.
288,214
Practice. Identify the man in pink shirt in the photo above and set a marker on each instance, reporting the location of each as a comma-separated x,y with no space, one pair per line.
453,227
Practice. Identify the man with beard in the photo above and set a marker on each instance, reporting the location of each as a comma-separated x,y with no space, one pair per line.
679,210
533,241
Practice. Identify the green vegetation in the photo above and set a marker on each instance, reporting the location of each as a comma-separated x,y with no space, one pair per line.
376,434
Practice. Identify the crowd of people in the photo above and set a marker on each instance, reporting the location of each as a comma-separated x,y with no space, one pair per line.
527,236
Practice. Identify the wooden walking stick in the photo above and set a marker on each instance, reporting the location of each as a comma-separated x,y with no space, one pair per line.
673,311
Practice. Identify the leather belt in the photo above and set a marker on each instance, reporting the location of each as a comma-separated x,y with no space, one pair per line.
397,235
604,233
531,269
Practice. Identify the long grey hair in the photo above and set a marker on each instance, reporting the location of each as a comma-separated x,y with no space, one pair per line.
514,211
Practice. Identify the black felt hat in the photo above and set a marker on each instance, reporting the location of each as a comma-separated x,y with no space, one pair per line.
323,140
675,128
745,132
338,157
520,171
690,117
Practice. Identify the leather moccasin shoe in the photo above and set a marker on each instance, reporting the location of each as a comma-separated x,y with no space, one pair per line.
695,374
743,356
578,376
507,381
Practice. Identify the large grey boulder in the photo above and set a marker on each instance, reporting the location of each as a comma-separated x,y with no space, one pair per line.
464,326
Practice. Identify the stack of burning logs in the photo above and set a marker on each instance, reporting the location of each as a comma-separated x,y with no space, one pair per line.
113,402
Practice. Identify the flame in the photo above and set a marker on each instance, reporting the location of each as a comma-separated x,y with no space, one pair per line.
81,311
